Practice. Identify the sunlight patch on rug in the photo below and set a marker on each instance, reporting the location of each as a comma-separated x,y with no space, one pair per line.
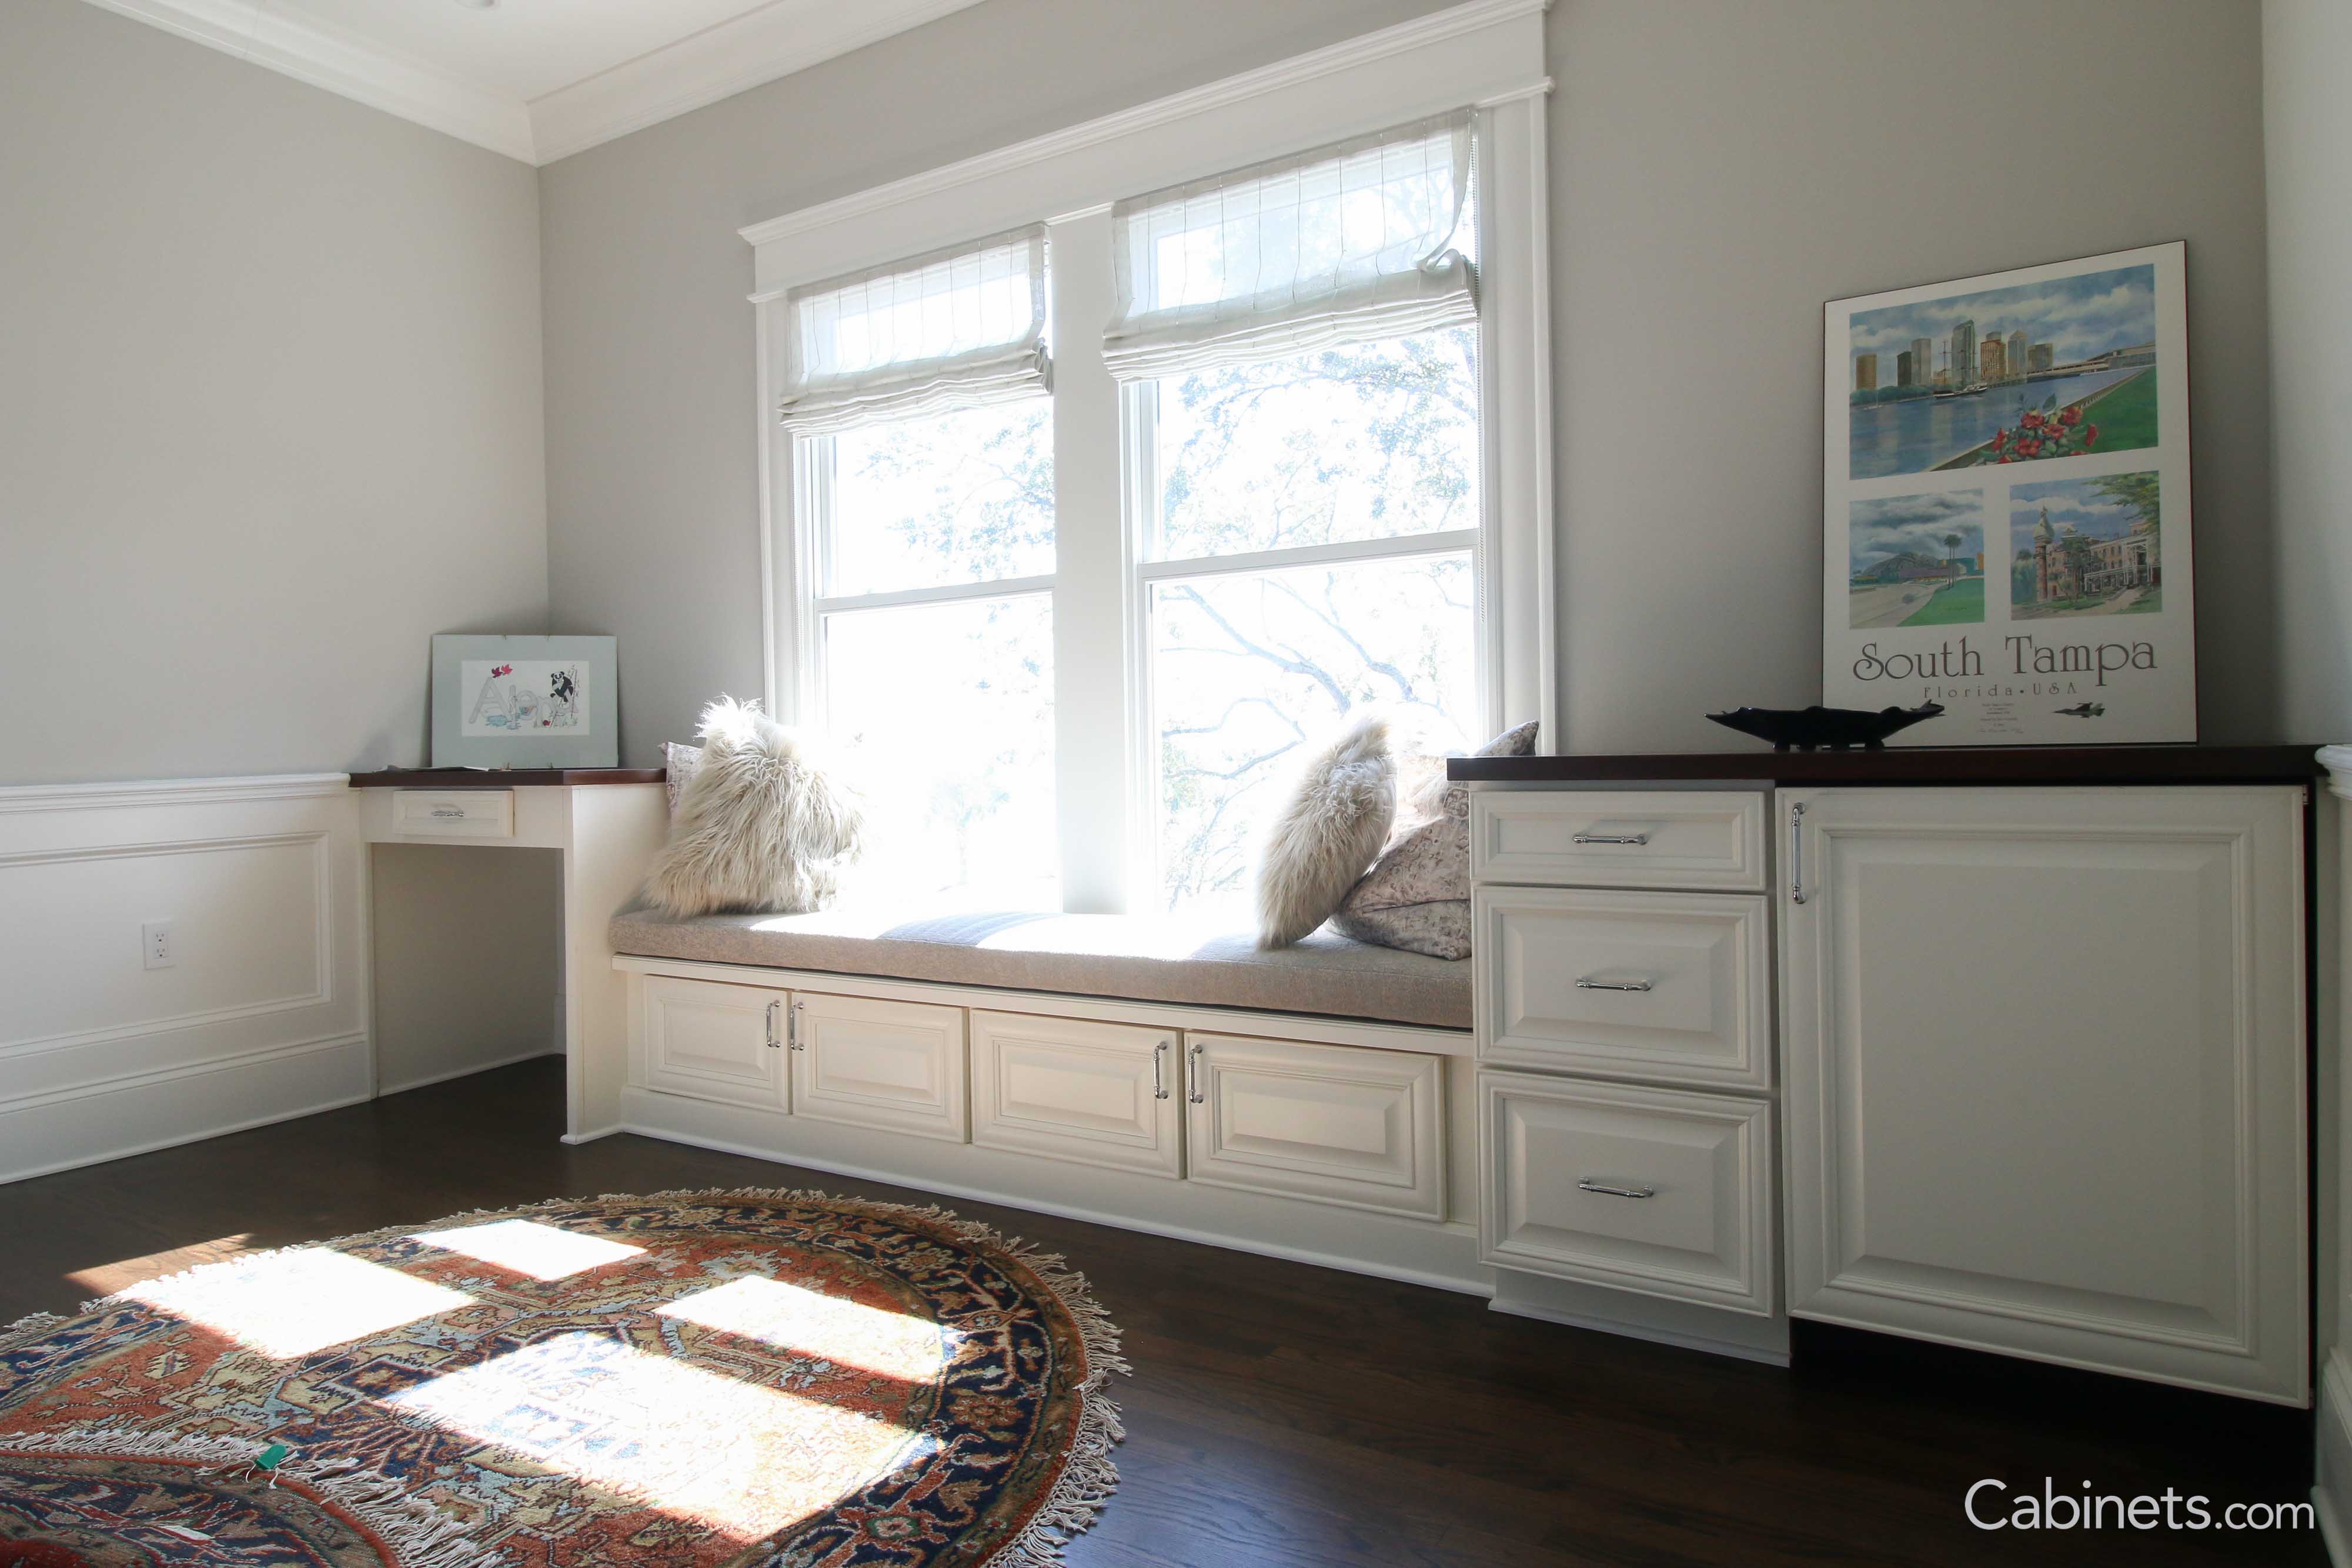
286,1304
836,1331
527,1247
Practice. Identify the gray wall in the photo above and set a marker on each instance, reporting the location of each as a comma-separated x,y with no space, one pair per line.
2306,61
269,409
1720,169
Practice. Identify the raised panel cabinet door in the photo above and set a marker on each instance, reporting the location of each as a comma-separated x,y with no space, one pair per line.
2044,1074
1338,1123
1665,986
715,1041
896,1066
1070,1089
1661,1191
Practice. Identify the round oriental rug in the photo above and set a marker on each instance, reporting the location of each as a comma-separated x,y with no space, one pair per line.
691,1379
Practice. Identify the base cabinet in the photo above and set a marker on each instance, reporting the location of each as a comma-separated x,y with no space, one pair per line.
1336,1123
1652,1190
2045,1054
715,1041
1095,1093
892,1065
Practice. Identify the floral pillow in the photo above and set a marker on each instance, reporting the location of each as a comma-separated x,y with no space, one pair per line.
1417,895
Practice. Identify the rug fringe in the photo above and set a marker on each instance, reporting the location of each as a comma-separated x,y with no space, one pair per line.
1089,1475
420,1536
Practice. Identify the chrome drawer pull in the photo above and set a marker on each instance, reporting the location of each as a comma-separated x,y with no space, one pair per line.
772,1006
1197,1096
1158,1070
1612,985
1796,853
1637,840
1603,1188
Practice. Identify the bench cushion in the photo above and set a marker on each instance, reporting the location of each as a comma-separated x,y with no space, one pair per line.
1127,956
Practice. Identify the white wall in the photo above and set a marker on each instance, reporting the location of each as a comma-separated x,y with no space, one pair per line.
269,409
261,1015
1720,168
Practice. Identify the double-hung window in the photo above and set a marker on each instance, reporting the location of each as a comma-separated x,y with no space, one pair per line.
918,395
1299,343
1076,612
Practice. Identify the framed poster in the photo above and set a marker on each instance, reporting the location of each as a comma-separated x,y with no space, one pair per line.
2006,517
524,702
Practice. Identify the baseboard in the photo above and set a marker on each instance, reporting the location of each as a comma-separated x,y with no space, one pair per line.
469,1070
1254,1245
318,1076
1683,1325
588,1137
2331,1491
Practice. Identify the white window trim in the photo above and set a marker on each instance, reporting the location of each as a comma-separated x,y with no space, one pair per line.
1489,53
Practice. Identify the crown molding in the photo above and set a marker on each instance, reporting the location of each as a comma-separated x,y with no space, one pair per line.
1421,32
775,40
759,46
343,66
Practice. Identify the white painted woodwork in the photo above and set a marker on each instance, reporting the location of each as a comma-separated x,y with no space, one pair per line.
895,1066
716,1042
454,813
1070,1089
2046,1075
1360,1128
1662,1192
1548,958
604,836
262,1015
1691,839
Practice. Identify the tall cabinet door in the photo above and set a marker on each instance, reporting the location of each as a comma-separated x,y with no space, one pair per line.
2045,1057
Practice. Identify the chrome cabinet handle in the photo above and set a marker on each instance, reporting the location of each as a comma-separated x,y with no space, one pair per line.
1158,1070
1193,1074
772,1042
1796,853
794,1029
1606,1190
1634,838
1612,985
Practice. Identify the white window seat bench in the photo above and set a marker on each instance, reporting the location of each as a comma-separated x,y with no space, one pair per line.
1311,1102
1131,958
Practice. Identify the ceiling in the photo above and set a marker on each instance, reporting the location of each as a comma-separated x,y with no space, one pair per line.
536,79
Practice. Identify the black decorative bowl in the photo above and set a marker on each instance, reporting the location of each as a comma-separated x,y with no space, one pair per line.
1820,728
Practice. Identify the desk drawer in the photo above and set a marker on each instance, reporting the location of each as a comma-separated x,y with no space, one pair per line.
1652,1190
1666,986
1698,839
454,813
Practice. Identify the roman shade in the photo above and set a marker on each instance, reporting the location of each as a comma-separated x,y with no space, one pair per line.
1347,243
952,330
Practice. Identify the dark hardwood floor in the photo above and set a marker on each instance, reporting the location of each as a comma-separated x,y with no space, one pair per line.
1284,1413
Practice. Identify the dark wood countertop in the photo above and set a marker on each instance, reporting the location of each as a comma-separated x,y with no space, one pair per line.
1917,764
501,779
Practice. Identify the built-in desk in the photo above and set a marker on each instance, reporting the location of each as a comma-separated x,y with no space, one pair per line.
477,963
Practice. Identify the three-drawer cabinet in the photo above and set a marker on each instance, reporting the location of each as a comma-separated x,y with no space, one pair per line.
1622,942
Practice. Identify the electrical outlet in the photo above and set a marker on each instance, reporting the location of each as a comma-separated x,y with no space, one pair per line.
155,943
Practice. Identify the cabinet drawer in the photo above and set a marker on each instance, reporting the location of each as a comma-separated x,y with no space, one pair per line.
1698,839
1336,1123
897,1066
714,1042
1099,1093
1670,986
1653,1190
454,813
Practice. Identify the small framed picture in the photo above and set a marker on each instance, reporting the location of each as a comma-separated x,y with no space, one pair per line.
524,702
2007,530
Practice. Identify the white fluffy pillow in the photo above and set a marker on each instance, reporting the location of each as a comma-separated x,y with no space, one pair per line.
1329,830
762,825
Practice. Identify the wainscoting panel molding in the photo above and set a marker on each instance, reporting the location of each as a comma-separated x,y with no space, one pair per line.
261,1013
